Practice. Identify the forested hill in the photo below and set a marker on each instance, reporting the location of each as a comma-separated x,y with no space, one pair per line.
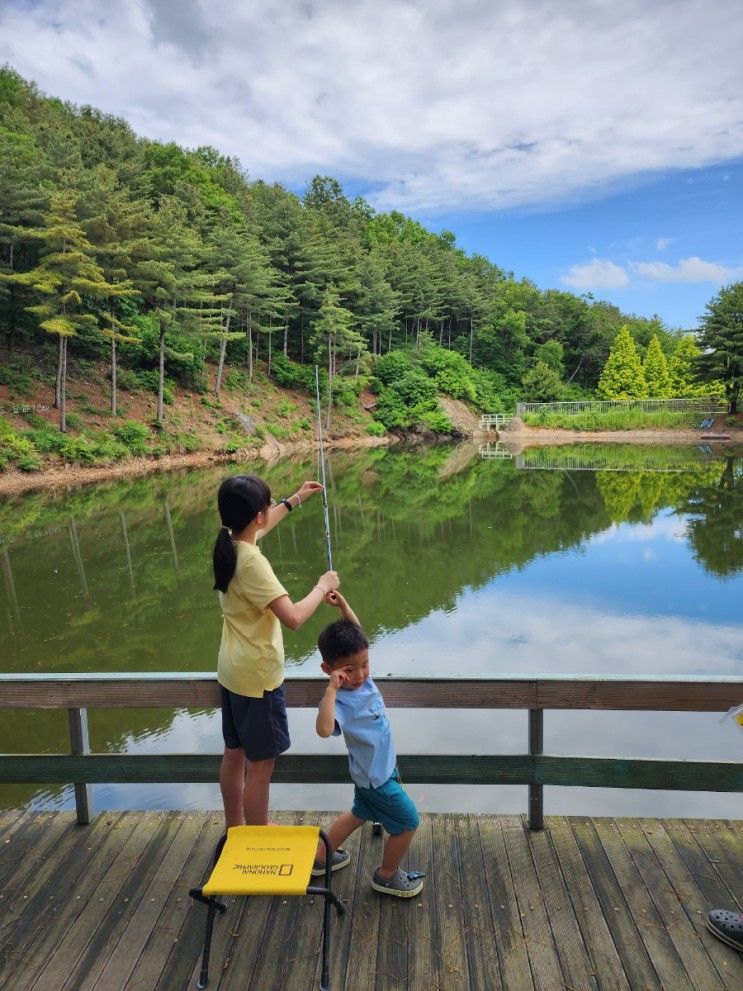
159,259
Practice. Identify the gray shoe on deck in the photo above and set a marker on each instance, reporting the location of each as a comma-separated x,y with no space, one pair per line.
727,926
402,884
341,858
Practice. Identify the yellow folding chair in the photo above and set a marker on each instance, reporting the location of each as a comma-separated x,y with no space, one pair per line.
267,860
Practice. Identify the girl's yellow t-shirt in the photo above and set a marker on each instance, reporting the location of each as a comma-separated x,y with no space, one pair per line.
251,654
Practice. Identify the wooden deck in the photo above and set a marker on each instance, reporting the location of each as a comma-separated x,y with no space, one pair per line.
588,903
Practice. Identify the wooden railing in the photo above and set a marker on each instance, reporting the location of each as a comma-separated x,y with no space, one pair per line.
79,692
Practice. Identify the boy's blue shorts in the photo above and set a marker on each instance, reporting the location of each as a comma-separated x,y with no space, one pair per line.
389,804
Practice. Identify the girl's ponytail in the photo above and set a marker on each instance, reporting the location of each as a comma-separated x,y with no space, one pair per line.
224,559
239,499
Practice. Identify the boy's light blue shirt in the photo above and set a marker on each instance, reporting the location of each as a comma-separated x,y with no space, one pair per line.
362,718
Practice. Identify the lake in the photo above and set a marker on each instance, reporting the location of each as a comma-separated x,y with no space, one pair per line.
603,559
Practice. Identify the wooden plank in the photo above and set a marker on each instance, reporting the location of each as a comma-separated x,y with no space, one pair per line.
448,895
664,893
25,842
118,871
480,934
418,915
427,769
200,690
604,959
652,927
576,967
317,768
540,947
704,872
135,923
597,772
183,959
343,883
662,695
724,848
619,918
514,962
169,931
30,922
694,899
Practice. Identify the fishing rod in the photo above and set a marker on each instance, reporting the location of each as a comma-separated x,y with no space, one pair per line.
322,472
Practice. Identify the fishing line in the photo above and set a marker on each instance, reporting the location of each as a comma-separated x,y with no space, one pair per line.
326,517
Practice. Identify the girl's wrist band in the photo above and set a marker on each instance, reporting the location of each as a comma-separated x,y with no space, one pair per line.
324,591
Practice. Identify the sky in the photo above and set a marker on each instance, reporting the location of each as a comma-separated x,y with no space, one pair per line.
593,146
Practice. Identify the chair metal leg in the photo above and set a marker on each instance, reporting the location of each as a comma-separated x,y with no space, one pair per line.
204,975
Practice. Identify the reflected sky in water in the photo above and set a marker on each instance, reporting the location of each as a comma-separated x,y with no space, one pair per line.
454,566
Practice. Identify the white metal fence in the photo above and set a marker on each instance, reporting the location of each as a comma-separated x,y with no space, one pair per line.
702,404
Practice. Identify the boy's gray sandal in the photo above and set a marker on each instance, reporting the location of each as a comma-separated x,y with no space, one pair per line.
341,858
727,926
402,884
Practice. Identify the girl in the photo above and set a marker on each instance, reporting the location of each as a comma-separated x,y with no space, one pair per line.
251,655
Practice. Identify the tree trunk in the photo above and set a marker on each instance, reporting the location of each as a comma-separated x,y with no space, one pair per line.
63,388
270,338
286,338
113,376
358,359
161,380
58,383
222,353
330,381
471,336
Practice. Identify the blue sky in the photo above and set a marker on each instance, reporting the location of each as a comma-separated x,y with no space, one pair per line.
588,146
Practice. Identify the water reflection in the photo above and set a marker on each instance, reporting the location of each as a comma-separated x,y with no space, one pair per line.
456,564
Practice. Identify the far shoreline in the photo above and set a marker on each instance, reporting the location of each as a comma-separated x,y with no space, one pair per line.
71,476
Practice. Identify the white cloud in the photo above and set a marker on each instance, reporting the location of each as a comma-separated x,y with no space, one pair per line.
433,105
596,274
662,243
687,270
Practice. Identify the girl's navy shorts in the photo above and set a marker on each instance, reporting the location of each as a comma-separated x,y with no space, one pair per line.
259,726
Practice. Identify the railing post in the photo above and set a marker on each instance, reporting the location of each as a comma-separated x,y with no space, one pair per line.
80,744
536,747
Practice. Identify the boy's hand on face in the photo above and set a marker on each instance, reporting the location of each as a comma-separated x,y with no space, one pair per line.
338,679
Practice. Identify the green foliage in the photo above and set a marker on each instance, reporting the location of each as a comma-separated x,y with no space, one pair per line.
542,384
655,369
721,343
291,375
133,435
376,429
622,377
612,419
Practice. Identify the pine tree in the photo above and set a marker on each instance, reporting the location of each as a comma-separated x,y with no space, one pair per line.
66,276
655,370
622,377
721,341
332,333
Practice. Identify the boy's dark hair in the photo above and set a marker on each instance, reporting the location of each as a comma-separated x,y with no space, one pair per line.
341,639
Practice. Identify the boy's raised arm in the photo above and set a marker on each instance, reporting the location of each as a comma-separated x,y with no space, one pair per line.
335,598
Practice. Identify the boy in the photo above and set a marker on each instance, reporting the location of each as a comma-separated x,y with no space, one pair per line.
352,705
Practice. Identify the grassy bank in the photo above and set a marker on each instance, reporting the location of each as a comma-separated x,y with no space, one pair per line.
614,419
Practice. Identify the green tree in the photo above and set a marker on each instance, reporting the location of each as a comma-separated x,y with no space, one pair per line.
622,377
542,384
68,278
721,343
655,369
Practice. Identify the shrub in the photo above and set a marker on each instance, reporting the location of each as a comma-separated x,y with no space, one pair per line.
436,421
237,380
375,429
133,435
290,374
392,366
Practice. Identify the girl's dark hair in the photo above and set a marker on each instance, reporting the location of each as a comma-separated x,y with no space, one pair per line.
240,499
341,639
